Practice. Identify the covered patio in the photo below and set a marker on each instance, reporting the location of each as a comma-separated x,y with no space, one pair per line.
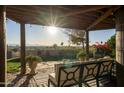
88,18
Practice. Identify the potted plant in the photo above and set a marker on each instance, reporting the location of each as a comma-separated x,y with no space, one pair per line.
81,56
101,50
32,62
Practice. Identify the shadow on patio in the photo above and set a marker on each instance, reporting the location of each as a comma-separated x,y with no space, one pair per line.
38,80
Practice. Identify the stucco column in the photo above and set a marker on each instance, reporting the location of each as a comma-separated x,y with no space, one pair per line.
2,46
23,62
120,46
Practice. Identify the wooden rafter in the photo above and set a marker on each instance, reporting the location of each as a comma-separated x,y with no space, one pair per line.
101,18
77,17
42,10
87,16
41,15
18,12
84,10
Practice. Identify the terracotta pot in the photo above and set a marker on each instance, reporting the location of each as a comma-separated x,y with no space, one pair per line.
82,58
32,66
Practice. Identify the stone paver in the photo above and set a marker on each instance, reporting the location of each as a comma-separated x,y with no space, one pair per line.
39,80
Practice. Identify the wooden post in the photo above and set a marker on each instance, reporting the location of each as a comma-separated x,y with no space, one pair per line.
23,62
120,46
2,46
87,44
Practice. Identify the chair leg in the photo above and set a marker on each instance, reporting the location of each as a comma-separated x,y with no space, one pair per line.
97,82
80,84
48,82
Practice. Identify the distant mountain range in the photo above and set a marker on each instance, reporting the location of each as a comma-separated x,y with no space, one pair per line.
28,45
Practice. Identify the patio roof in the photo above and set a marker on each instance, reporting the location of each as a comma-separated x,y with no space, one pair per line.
93,17
75,17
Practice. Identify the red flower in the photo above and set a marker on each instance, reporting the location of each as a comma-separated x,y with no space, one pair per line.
104,46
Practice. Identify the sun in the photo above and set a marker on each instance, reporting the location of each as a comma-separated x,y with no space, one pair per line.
52,30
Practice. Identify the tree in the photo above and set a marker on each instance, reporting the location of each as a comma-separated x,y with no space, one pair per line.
112,44
62,43
77,37
55,45
15,49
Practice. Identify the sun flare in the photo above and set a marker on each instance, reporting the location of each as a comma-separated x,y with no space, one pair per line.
52,30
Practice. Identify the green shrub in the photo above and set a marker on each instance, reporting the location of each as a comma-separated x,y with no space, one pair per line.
33,58
63,54
112,44
81,54
90,54
113,54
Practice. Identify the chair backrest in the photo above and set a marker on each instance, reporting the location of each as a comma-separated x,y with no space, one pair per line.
75,73
90,70
67,74
105,67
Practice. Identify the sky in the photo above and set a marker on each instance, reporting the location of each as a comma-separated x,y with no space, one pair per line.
40,36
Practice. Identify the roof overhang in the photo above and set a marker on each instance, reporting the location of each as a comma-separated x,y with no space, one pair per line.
82,17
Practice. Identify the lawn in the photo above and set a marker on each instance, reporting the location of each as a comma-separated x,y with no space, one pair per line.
13,65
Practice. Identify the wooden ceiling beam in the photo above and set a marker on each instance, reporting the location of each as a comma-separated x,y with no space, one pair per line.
85,16
64,10
85,9
25,10
14,19
28,12
20,17
31,19
41,20
61,8
77,16
39,23
101,18
33,15
24,15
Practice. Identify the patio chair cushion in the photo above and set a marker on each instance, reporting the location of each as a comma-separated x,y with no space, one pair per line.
53,78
